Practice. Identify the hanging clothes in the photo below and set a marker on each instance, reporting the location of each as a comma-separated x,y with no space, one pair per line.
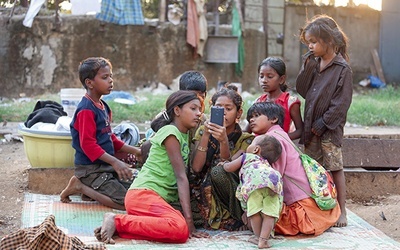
192,33
203,31
122,12
34,8
237,31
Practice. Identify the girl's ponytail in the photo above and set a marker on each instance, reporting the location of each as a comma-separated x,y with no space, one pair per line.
176,99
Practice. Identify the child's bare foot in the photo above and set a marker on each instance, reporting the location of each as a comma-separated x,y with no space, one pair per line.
342,221
263,243
253,239
108,228
74,186
97,233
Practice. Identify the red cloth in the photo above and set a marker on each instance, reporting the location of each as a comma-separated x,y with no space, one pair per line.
193,30
150,217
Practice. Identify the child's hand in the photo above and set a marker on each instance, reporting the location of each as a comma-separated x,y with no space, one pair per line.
308,56
199,234
206,130
194,233
123,171
218,132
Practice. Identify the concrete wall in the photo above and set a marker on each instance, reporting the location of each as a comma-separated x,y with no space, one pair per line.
269,16
360,24
38,59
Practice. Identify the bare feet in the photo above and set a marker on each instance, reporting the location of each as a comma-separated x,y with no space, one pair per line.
263,243
253,239
107,229
342,221
97,233
74,187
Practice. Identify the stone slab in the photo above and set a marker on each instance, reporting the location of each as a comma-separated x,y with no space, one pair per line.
371,153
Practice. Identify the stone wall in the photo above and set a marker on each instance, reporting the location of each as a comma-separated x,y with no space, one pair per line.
39,59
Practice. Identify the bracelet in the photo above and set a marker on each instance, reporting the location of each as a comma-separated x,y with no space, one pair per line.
202,149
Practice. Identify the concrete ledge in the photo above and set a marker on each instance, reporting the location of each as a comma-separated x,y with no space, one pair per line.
360,184
358,155
371,153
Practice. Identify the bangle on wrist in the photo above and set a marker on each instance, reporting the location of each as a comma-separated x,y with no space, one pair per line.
202,149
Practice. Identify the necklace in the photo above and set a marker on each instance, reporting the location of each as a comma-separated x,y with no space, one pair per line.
99,104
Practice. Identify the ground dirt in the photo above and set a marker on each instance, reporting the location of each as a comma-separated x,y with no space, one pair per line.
382,212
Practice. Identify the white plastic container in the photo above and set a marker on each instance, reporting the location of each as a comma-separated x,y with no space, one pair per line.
70,99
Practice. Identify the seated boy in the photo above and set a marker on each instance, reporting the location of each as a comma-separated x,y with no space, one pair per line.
98,173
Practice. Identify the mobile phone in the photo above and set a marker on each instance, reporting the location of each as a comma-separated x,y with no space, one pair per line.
217,115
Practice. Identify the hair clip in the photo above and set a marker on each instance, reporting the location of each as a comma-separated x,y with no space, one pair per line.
165,115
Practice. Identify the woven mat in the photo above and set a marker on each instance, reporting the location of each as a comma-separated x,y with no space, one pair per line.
79,218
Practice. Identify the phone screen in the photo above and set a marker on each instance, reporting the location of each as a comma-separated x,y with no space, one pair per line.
217,115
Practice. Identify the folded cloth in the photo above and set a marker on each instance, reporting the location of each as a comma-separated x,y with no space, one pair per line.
45,111
128,133
44,236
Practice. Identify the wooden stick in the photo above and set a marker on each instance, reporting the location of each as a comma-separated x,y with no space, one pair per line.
163,7
373,70
378,65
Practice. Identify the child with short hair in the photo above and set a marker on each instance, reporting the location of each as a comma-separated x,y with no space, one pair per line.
260,190
162,180
195,81
272,79
326,83
267,118
98,173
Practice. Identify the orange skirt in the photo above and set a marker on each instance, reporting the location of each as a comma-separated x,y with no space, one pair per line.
305,217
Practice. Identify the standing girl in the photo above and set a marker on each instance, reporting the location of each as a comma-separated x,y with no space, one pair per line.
272,79
216,188
161,180
325,81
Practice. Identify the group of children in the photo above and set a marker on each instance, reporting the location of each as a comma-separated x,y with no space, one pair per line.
270,202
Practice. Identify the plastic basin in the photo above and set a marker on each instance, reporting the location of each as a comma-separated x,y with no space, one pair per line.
47,149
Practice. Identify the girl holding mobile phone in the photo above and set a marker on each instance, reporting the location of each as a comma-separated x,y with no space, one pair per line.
214,188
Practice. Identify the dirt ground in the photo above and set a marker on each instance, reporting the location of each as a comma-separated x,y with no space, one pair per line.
382,213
